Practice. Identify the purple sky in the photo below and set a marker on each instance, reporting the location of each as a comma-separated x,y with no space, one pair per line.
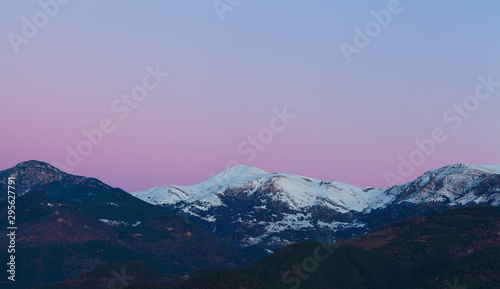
230,73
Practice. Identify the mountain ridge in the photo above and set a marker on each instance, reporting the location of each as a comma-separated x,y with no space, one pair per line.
234,175
248,207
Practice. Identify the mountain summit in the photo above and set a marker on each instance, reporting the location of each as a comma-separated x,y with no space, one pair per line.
36,175
240,169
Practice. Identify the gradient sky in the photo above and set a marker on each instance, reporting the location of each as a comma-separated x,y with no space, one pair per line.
353,120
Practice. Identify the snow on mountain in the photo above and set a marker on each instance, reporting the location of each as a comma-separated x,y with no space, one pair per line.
455,184
206,190
295,191
247,206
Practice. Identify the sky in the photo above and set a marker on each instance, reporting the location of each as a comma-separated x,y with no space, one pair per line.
151,93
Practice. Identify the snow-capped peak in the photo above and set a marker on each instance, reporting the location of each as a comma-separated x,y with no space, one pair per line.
241,169
238,175
297,192
453,183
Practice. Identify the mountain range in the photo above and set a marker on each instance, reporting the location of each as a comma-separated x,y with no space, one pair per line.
262,212
77,232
